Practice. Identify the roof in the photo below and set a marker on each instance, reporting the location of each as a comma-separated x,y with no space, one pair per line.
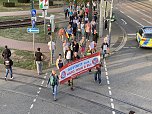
147,30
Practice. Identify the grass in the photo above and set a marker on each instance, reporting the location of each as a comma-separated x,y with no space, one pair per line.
23,59
22,35
18,6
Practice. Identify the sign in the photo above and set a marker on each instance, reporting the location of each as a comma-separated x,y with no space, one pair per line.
44,4
78,67
52,23
33,30
33,23
33,13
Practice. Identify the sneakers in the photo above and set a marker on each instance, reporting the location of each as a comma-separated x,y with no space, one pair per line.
5,78
12,78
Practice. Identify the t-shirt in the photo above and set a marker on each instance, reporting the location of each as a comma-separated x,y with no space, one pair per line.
68,55
92,45
38,56
104,46
53,45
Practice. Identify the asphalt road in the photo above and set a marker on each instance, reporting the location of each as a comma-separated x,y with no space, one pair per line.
126,80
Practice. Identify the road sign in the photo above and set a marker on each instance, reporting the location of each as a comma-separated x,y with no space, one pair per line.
33,23
52,22
33,30
33,12
44,4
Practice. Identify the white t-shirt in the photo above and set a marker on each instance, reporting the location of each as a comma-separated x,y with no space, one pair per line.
68,55
104,47
53,45
92,45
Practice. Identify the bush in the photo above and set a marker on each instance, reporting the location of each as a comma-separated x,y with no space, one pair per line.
9,4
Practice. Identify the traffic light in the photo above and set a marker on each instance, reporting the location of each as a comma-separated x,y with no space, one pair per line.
49,29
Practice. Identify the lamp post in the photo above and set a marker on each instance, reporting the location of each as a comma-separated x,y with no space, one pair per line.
101,20
110,24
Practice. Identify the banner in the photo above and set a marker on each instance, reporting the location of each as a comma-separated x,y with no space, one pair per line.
78,67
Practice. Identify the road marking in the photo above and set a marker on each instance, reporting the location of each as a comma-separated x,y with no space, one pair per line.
130,47
112,105
38,92
34,100
44,77
109,88
135,20
122,12
124,21
132,34
31,106
40,88
106,73
147,21
42,82
140,12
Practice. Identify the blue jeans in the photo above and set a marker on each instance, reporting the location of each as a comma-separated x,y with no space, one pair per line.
54,88
9,70
97,76
39,66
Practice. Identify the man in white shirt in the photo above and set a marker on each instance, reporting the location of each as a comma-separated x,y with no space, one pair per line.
52,47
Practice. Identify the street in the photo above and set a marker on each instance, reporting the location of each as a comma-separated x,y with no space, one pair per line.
126,77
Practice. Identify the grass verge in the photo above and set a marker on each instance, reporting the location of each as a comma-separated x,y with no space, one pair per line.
23,59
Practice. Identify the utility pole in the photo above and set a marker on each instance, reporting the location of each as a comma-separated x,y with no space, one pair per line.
101,20
110,22
90,10
44,24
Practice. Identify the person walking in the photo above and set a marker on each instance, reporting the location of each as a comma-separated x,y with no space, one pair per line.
54,82
104,49
8,66
68,55
59,62
82,46
97,76
75,46
95,36
6,53
52,47
38,58
87,30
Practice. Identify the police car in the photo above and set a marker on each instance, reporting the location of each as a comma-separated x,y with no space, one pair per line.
144,37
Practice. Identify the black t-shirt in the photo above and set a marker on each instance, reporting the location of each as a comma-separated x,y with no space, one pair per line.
104,44
38,56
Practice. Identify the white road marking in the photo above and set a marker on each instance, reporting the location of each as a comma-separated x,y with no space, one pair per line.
44,77
140,12
110,93
106,69
108,82
109,88
46,73
133,34
112,105
37,95
40,88
113,112
126,47
147,21
42,82
124,21
31,106
34,100
111,100
122,12
135,20
106,73
38,92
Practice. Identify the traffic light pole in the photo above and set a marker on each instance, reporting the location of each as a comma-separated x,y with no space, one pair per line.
101,20
44,25
110,24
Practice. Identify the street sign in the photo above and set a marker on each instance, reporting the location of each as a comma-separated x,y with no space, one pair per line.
33,30
33,23
44,4
52,22
33,12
